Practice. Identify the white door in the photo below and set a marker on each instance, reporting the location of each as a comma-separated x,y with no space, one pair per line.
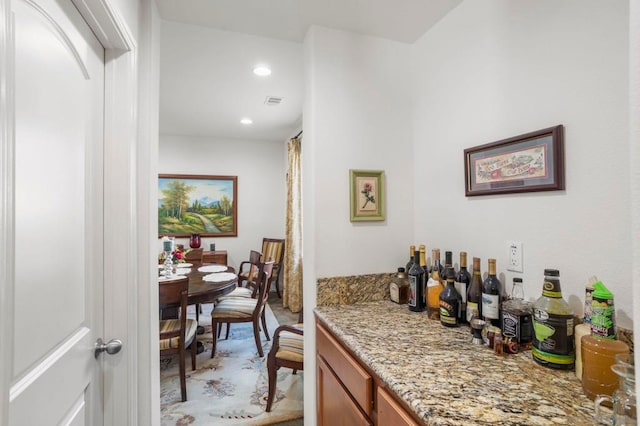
58,313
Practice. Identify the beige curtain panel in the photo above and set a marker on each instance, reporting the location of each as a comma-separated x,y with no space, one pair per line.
292,291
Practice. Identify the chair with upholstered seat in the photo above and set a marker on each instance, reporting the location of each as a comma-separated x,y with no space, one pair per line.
273,248
287,351
243,309
177,334
247,274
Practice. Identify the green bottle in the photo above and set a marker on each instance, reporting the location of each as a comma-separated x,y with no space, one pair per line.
553,342
603,320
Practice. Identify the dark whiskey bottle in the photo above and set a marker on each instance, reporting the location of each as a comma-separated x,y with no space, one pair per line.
450,302
412,250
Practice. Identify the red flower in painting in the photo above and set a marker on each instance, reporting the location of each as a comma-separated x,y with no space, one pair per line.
369,198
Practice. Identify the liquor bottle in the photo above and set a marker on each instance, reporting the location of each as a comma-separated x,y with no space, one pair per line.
425,277
474,295
553,344
412,250
450,302
434,287
492,296
448,263
399,287
416,285
516,317
463,279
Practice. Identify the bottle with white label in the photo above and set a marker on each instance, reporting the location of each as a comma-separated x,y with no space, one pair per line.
492,296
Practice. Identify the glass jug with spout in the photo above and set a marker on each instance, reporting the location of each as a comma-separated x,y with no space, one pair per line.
623,399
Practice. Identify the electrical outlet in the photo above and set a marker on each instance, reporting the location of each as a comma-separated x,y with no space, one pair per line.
515,257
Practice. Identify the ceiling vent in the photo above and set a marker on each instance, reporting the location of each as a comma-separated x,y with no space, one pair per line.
273,100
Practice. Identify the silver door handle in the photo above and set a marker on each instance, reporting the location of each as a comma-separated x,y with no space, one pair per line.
112,347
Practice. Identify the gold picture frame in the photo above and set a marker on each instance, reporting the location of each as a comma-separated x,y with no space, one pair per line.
367,195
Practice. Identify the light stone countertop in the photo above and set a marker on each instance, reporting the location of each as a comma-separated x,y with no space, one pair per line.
447,380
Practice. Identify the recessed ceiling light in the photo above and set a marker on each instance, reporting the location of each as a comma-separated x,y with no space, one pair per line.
262,71
246,121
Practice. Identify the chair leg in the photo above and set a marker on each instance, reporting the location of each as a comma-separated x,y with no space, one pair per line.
226,337
277,287
219,329
295,371
273,371
183,374
256,334
198,313
264,326
214,325
194,351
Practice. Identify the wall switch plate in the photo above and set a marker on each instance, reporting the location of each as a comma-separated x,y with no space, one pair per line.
514,257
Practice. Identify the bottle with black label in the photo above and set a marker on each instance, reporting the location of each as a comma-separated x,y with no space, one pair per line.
474,295
516,317
492,296
425,276
463,279
416,285
450,302
553,343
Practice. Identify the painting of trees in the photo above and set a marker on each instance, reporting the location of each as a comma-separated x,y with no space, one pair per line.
189,204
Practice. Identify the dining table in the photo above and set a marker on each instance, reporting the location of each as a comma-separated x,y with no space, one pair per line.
201,290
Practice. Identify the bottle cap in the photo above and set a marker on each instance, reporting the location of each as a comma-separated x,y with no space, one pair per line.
400,269
517,280
552,272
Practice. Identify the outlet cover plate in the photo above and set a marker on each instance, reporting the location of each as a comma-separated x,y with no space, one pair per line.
514,256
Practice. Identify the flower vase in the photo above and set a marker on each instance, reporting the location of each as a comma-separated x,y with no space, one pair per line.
194,241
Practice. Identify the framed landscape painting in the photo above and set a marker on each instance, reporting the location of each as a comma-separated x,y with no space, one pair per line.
196,204
366,195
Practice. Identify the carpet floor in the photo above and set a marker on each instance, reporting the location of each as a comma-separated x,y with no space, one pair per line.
230,389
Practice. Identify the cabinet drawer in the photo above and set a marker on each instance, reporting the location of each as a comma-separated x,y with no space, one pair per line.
335,406
354,378
390,412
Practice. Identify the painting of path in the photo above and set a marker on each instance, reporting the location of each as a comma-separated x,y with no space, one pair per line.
191,204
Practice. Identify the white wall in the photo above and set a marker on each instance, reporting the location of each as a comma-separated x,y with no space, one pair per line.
356,116
361,120
500,68
260,168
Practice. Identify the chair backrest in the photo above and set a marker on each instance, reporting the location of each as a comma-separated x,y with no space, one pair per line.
264,283
273,249
254,262
172,294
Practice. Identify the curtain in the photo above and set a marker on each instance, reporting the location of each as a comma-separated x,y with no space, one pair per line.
292,288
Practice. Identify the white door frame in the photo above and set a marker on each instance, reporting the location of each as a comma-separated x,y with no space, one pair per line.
124,248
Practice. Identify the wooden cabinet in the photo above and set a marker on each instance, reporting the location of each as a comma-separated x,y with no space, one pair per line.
335,406
390,412
350,394
218,256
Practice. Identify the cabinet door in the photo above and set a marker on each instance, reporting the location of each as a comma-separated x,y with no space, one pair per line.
335,406
390,413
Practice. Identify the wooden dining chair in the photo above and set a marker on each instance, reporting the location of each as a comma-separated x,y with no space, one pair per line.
273,248
287,350
242,309
247,275
177,334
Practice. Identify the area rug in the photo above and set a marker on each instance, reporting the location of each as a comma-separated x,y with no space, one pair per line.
232,388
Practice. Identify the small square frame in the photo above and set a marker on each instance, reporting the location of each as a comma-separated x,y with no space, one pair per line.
367,195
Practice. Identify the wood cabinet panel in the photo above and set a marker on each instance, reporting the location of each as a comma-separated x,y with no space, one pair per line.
335,406
218,256
357,381
390,412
